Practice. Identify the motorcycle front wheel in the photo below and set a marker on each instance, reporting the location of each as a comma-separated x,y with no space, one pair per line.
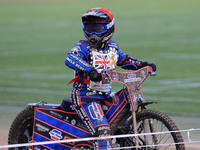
149,121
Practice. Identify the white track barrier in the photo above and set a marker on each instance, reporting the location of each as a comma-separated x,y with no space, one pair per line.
111,137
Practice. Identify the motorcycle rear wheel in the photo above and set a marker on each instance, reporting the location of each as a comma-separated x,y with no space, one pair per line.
21,130
149,121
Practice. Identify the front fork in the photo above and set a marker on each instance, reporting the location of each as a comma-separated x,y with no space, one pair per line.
148,125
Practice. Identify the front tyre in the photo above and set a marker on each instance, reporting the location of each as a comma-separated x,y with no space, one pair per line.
21,130
149,121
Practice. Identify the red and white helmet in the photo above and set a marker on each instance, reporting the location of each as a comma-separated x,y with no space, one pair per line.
98,26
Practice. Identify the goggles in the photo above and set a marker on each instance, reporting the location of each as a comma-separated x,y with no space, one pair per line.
97,28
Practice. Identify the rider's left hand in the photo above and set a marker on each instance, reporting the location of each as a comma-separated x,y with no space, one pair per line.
152,65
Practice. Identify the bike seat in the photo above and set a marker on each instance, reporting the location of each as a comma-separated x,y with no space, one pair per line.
67,99
66,104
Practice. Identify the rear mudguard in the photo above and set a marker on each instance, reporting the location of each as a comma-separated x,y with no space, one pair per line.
43,104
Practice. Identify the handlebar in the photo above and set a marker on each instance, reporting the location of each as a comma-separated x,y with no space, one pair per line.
133,76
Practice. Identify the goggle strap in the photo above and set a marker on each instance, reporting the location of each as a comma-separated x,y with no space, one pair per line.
110,24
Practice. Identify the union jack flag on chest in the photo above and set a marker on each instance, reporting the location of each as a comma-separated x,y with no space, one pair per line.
105,61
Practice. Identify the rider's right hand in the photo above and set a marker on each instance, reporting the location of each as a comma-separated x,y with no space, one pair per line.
94,75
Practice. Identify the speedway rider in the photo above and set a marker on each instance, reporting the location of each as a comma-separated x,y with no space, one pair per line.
88,58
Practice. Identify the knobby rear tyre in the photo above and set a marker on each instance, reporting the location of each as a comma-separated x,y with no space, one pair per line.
21,129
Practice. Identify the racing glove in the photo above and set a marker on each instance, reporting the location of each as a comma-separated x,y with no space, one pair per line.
94,75
153,66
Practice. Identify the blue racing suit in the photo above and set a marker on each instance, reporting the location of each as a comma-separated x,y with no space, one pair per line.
87,96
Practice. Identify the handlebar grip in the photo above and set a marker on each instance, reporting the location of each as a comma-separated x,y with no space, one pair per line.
153,73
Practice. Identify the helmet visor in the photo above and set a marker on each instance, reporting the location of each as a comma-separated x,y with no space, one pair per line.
95,28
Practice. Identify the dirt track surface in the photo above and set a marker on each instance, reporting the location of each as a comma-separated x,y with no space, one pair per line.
8,113
3,137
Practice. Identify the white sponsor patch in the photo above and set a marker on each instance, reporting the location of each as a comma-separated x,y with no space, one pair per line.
132,80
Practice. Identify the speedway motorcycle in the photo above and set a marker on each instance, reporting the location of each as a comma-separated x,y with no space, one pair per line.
40,122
